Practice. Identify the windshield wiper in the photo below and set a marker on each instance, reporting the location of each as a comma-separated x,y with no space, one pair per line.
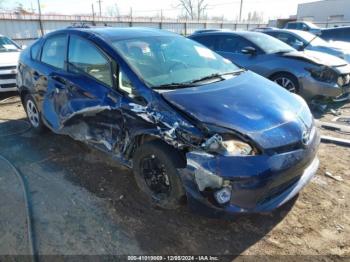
216,75
173,85
193,82
308,43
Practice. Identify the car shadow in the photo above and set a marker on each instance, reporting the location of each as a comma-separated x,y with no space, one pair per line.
157,231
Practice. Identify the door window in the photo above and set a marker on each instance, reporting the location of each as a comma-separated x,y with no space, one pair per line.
233,44
85,57
54,51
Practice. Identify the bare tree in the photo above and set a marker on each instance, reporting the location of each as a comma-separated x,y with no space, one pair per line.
2,4
194,9
113,10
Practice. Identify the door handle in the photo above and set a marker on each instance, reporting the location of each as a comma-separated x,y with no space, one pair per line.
59,79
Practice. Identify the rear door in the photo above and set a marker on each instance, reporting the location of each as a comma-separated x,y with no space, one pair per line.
47,77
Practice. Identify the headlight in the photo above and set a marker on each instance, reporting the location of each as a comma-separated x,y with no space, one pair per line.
228,146
236,148
324,74
343,80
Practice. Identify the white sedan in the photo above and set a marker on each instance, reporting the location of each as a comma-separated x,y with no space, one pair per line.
9,54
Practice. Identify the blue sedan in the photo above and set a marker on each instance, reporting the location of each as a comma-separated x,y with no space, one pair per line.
190,123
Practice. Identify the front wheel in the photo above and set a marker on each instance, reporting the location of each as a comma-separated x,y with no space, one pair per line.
155,168
287,81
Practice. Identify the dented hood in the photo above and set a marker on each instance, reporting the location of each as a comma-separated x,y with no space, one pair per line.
317,58
249,104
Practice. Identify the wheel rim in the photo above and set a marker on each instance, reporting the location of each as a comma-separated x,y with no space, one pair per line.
286,83
33,114
155,175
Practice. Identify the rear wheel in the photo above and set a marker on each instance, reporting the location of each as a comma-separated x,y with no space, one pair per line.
33,114
287,81
155,168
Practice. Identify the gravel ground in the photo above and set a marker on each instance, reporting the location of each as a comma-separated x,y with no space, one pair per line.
83,203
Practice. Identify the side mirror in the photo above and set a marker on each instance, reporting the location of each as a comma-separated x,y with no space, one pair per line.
249,50
298,46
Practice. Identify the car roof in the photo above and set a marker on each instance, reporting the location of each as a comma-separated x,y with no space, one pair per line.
292,31
336,28
116,34
240,33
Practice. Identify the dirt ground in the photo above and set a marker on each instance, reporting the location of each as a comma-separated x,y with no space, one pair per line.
85,204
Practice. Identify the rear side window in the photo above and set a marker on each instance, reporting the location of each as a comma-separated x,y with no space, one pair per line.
35,50
54,51
85,57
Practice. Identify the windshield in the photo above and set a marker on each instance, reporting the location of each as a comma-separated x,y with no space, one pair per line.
268,44
316,41
7,45
169,60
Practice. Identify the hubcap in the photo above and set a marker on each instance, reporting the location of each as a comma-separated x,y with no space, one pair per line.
286,83
156,177
32,113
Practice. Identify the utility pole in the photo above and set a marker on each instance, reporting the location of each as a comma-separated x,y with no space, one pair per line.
99,4
40,22
93,14
240,11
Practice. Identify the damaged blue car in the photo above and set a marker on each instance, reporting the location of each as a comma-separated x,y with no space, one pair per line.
191,124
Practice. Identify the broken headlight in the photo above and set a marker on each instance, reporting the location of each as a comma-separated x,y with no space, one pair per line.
227,145
324,74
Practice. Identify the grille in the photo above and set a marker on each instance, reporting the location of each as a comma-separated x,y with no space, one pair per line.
7,67
7,76
7,85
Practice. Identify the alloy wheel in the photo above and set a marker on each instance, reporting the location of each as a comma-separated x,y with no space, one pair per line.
33,114
286,83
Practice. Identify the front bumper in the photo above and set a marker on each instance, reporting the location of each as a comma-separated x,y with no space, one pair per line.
8,78
259,183
310,87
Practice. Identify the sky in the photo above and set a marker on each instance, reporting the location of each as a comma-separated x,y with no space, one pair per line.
227,8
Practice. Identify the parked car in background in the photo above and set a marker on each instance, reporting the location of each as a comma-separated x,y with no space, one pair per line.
336,34
261,29
9,54
308,73
302,40
189,122
304,26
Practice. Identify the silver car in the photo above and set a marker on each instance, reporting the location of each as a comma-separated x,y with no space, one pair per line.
308,73
301,40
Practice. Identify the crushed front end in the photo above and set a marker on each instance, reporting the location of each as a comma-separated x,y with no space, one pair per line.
255,183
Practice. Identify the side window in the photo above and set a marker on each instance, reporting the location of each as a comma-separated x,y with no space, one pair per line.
227,44
208,41
85,57
54,51
125,83
304,27
290,40
292,26
35,50
233,44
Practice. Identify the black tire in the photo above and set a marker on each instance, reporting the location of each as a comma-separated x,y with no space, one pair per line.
287,81
30,105
168,182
